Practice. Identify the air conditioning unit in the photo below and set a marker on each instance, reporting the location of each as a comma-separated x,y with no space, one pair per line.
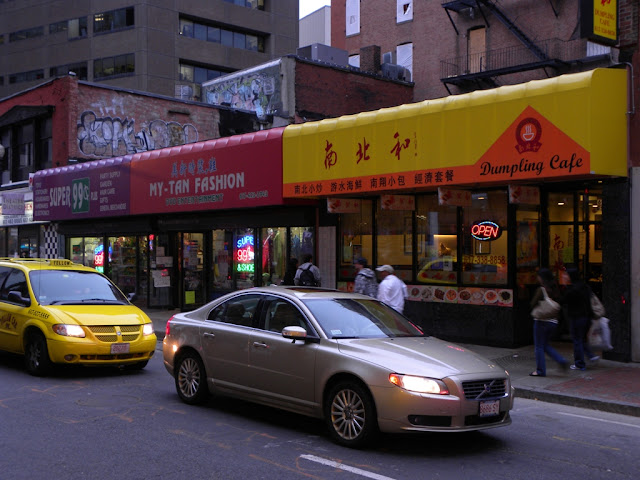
395,72
324,53
389,57
183,92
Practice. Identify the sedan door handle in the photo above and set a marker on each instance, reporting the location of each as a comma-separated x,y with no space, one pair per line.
260,344
209,334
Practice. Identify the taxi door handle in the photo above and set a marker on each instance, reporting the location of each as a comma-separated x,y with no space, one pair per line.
260,345
209,335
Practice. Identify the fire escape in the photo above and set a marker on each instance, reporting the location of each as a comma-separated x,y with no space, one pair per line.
479,71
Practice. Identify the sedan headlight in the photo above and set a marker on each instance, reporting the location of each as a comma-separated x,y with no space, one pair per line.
69,330
419,384
147,329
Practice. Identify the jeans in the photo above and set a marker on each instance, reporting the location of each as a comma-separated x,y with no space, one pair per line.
542,333
579,329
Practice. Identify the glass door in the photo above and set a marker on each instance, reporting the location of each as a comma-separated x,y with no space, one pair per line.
193,281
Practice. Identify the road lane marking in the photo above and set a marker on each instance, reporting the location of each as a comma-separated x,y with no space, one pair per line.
341,466
599,419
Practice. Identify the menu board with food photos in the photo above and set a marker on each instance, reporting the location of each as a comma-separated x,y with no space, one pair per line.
501,297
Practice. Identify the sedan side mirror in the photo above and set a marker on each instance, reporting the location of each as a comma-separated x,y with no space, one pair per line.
294,333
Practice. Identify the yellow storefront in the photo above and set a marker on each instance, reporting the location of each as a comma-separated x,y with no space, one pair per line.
468,195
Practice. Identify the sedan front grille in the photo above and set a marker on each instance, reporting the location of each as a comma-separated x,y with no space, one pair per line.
109,333
485,389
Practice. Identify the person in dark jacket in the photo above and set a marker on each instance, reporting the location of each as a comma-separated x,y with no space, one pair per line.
366,282
576,303
290,273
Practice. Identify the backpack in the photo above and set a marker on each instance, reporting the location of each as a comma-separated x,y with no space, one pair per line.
307,278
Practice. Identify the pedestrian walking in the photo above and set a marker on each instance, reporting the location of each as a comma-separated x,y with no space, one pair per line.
576,303
366,282
391,290
308,275
290,272
546,310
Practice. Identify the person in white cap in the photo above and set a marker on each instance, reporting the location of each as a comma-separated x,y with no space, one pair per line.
391,290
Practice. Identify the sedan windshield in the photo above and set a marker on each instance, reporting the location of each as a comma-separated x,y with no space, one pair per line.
355,318
64,287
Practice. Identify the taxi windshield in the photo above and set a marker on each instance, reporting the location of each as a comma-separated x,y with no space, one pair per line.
64,287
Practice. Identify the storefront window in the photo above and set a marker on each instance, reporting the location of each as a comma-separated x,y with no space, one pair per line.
302,242
193,269
356,233
394,239
222,275
12,243
122,263
3,242
88,251
527,246
244,257
485,239
274,254
437,241
162,271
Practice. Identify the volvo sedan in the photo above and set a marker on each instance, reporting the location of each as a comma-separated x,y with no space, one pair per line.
342,357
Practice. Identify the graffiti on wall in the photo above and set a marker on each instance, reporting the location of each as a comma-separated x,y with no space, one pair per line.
258,92
110,136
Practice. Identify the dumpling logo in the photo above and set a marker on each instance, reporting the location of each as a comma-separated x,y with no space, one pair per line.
528,134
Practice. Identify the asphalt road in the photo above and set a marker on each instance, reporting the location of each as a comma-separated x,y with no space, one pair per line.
108,424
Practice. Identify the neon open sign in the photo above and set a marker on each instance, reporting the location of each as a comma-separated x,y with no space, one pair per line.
486,230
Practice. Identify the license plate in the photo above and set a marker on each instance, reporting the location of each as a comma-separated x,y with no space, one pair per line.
490,409
119,348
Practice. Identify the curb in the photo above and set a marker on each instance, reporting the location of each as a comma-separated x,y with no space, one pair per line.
582,402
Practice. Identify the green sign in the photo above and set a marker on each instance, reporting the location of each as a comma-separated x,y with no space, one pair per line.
80,195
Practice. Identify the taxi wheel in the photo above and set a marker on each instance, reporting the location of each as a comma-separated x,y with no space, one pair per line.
350,414
36,355
191,378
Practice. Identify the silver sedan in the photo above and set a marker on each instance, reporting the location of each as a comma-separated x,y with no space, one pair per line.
346,358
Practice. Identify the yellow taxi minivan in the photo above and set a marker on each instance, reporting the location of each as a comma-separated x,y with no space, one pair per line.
56,312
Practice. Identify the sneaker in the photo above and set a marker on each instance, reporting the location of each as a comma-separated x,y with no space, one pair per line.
573,367
594,359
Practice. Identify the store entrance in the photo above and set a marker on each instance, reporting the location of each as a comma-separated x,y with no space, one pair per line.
192,248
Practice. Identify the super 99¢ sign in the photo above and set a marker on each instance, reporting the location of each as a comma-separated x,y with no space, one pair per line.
80,189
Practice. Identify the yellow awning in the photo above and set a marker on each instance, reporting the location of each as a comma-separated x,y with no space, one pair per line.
567,127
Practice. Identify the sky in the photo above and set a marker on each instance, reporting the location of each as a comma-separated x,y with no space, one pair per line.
310,6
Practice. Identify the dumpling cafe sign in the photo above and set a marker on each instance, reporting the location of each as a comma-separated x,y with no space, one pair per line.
486,231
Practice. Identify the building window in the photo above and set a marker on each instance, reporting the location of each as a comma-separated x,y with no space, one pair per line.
404,10
44,157
114,66
226,37
80,69
356,238
26,76
484,258
198,74
436,241
354,61
5,162
27,33
25,152
254,4
352,17
113,20
77,28
404,56
394,240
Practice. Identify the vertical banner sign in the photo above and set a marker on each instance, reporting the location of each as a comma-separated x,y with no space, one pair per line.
599,21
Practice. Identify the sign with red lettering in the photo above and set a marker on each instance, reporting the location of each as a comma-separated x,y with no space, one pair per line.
486,231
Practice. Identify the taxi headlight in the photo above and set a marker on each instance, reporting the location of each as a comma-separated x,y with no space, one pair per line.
69,330
147,329
419,384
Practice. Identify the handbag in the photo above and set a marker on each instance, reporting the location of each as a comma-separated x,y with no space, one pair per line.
597,309
546,309
599,336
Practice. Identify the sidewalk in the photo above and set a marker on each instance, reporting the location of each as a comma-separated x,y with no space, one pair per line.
606,385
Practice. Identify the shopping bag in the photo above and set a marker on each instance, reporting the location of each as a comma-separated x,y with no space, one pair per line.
597,309
599,336
546,309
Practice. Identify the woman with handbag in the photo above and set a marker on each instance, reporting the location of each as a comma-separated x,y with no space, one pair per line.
545,312
577,308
